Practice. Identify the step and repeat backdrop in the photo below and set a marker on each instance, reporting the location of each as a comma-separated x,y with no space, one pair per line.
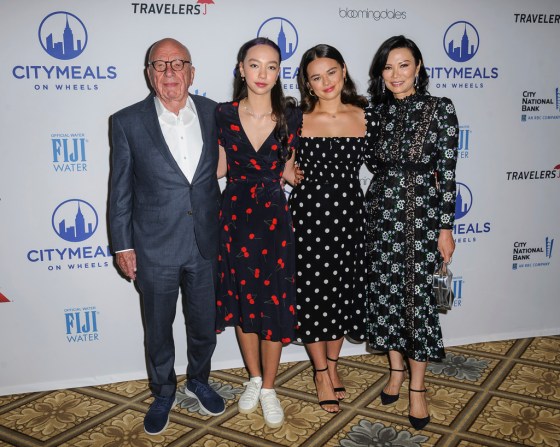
67,318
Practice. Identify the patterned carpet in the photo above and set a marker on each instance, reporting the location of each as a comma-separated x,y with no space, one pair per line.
489,394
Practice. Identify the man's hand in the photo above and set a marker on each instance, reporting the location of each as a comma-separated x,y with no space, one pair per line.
126,260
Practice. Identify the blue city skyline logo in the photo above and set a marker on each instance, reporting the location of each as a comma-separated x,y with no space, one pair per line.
75,220
549,243
63,35
283,32
463,201
461,41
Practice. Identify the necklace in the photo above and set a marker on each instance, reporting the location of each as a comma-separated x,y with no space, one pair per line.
253,114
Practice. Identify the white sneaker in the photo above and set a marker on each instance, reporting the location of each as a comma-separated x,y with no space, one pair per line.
272,410
249,400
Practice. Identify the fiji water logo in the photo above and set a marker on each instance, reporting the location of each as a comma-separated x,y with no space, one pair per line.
75,220
464,136
463,201
3,298
283,32
63,35
458,283
81,324
461,41
69,152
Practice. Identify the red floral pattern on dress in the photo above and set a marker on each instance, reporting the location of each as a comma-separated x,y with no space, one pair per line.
256,287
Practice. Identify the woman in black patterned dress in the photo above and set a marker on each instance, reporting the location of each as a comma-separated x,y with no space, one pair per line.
410,205
329,217
256,292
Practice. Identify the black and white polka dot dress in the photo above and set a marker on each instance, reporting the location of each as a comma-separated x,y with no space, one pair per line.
329,220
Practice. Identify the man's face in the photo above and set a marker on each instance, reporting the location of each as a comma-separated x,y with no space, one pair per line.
172,87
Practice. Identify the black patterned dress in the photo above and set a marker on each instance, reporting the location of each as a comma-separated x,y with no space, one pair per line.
410,198
256,289
329,221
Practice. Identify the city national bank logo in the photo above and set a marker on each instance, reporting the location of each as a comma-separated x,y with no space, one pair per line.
461,42
538,106
543,174
526,255
190,9
81,324
81,214
64,37
284,33
3,298
74,221
466,231
69,152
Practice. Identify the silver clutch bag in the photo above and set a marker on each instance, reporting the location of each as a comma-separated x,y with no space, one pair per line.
443,286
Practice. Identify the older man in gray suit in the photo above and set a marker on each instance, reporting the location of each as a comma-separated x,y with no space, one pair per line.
164,206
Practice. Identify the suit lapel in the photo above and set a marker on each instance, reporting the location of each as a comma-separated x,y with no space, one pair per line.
203,120
153,127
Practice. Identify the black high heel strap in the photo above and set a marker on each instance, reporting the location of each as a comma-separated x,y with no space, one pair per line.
332,360
418,391
321,370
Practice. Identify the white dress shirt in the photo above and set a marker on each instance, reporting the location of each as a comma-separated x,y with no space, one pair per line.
182,134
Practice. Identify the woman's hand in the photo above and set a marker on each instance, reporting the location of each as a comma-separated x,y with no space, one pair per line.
446,244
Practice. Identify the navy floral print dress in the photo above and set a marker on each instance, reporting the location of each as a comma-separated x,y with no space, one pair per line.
410,198
256,261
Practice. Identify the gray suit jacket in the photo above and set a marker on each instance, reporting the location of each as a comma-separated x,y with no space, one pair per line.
151,202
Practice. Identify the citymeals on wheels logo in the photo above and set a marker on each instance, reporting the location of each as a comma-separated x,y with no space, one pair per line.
466,231
532,255
74,221
284,33
461,43
64,37
69,43
79,213
81,324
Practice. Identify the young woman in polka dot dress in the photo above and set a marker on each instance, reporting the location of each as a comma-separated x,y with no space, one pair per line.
411,208
256,291
328,212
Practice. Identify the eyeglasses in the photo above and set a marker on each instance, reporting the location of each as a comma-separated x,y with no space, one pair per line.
176,65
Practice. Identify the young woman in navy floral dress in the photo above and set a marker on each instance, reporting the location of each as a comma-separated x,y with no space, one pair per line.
410,206
258,132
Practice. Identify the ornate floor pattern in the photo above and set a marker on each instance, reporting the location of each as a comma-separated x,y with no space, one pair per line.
489,394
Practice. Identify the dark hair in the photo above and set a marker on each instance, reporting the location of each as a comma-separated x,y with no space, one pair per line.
280,103
349,95
378,65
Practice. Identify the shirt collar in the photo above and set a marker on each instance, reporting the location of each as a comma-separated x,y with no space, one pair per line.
185,115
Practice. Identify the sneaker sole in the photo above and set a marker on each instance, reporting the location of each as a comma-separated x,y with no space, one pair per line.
247,410
164,427
274,424
203,408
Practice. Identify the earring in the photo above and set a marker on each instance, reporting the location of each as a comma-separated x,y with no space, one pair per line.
416,81
242,78
382,87
311,93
